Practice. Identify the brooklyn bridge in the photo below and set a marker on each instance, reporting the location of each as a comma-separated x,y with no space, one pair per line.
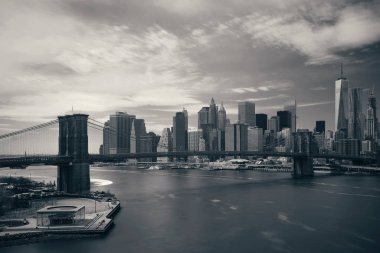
33,145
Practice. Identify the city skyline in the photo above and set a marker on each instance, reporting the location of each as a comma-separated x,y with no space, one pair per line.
151,67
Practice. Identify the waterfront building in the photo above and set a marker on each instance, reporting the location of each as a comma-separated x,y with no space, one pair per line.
120,125
246,113
368,147
255,138
341,103
236,137
348,147
179,132
291,106
61,216
355,116
319,138
262,121
284,120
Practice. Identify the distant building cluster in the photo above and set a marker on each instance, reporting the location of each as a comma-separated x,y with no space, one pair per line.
356,129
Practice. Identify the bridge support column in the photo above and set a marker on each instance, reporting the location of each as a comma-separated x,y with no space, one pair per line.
73,141
303,166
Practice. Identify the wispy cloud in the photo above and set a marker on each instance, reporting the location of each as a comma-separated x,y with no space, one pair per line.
314,104
320,88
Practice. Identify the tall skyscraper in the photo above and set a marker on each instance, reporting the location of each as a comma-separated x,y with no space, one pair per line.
341,103
273,123
320,126
355,116
138,131
203,117
236,137
371,126
255,140
165,144
291,106
262,121
179,132
120,124
246,113
106,138
285,119
213,114
222,118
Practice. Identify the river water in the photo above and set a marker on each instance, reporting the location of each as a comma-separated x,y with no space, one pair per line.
227,211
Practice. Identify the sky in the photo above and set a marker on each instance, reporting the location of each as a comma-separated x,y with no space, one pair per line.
151,58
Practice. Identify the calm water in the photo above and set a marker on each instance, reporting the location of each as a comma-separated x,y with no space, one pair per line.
227,211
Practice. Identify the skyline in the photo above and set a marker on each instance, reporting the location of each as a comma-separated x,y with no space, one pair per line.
60,55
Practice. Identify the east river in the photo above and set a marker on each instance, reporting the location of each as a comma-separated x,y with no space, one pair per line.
227,211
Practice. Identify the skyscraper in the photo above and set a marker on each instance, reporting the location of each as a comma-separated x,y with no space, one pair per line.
291,106
121,124
255,140
246,113
213,114
236,137
165,143
273,124
179,132
262,121
222,118
355,116
106,138
320,126
203,117
341,103
284,119
371,126
138,131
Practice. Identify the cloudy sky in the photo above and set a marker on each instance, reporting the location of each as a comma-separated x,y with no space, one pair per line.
153,57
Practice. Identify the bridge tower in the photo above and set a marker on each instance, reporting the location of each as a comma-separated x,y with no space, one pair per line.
73,141
302,159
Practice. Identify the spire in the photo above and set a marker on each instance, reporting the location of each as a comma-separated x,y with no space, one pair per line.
221,107
212,101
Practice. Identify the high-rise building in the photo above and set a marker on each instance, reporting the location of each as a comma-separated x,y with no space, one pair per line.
355,116
291,106
203,117
348,147
262,121
137,133
193,139
213,114
255,140
273,124
106,138
120,124
179,132
165,144
285,119
236,137
222,118
371,126
246,113
341,103
320,126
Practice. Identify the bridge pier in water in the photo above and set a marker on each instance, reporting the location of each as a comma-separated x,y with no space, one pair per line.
303,166
73,177
303,162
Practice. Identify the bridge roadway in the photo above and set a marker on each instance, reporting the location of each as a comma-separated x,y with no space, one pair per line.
14,161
